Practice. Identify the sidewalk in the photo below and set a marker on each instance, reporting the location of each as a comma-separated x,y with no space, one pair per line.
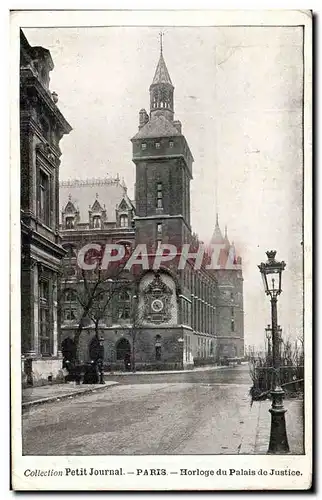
256,438
48,393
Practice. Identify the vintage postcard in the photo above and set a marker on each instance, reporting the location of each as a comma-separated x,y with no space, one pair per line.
161,317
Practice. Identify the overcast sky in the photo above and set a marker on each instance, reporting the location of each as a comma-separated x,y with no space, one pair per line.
238,94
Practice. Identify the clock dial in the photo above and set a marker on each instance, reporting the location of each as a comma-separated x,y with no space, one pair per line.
157,305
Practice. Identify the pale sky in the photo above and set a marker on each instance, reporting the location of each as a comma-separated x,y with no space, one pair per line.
238,94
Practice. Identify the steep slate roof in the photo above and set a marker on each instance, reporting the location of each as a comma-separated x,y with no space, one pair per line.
158,126
161,73
83,193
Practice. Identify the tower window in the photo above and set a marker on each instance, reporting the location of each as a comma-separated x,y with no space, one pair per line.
171,144
159,228
159,195
232,325
143,145
157,145
97,222
124,221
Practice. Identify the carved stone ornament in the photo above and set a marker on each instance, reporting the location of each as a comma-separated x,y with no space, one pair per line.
46,151
157,301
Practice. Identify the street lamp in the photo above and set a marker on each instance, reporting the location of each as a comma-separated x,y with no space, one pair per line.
268,332
271,272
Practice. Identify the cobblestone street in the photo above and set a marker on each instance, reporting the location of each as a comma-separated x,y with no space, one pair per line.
204,412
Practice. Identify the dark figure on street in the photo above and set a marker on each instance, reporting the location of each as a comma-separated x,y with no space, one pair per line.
69,359
94,373
127,362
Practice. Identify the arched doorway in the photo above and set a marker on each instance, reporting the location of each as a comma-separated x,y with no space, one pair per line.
123,349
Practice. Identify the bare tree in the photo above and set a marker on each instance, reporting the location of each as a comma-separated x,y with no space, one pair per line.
136,324
94,291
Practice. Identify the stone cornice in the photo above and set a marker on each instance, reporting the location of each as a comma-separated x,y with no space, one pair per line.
29,79
44,243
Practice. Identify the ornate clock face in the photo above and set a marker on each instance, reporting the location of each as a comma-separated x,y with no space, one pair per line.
157,305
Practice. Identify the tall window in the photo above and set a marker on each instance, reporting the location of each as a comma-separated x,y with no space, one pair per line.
44,197
232,325
70,305
97,222
159,195
124,305
44,319
124,221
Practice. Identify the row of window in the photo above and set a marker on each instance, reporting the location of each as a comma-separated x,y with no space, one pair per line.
157,145
122,301
205,348
96,223
161,104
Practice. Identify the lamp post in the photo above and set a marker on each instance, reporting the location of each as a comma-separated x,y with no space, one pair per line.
271,272
268,332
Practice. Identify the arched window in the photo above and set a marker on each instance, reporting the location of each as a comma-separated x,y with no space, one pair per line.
123,349
124,221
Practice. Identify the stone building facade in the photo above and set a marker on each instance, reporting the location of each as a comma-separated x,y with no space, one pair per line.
170,317
42,126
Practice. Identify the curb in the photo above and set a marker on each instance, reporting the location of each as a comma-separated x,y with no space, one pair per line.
166,372
28,404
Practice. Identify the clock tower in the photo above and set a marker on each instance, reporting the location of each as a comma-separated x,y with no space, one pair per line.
163,169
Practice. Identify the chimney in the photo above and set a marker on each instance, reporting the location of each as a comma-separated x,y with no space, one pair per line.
143,118
177,125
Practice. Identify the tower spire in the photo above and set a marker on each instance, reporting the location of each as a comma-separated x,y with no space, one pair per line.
161,89
217,236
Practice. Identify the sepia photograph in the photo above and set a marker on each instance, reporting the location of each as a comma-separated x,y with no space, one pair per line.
164,246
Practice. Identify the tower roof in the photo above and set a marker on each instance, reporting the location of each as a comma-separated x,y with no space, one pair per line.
217,236
158,126
161,73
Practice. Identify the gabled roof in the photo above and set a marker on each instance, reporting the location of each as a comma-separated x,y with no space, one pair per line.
70,208
158,126
97,206
161,73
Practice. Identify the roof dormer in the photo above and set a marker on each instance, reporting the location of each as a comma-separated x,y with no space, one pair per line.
97,215
70,215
